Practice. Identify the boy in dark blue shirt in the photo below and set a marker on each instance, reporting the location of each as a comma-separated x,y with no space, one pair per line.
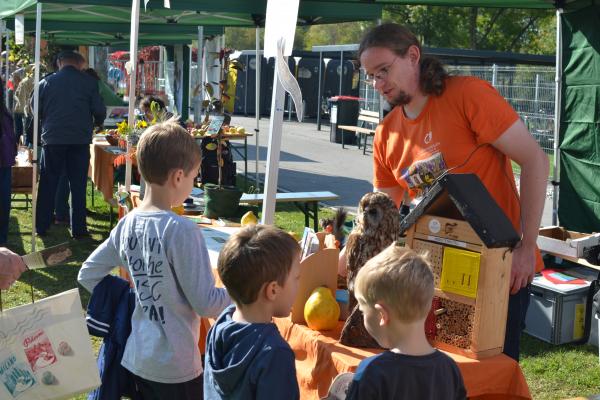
394,291
246,357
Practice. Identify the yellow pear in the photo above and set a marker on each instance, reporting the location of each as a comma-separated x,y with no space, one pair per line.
321,311
241,129
249,219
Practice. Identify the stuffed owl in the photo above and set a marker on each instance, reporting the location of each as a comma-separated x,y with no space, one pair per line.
377,226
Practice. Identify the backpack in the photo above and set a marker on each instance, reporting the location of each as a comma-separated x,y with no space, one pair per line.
8,141
209,168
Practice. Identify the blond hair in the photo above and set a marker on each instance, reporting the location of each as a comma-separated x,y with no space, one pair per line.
401,279
164,147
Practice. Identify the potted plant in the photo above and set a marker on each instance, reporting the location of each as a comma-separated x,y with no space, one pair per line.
220,200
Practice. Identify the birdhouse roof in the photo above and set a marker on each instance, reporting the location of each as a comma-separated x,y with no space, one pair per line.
463,196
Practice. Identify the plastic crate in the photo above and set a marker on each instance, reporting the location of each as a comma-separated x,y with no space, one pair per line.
556,312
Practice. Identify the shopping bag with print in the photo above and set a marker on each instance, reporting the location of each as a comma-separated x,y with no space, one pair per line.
45,350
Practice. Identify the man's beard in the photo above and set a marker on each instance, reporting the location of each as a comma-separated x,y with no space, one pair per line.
401,99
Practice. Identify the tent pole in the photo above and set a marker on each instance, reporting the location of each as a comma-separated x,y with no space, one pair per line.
203,77
557,102
7,68
1,59
319,94
133,47
36,113
341,70
258,62
199,69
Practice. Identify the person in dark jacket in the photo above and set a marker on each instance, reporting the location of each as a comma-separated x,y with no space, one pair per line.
246,357
70,106
109,317
8,152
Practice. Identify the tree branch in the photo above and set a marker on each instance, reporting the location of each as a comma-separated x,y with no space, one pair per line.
473,28
490,25
518,37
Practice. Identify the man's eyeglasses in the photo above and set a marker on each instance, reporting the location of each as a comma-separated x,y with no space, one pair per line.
380,75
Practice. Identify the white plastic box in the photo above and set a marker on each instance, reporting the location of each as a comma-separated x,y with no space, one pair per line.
556,312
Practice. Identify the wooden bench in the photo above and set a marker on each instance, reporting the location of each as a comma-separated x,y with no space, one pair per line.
366,125
305,201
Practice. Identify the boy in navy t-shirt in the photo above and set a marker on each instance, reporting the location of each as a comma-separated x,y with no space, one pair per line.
246,357
394,291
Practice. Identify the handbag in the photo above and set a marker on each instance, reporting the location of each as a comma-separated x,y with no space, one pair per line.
45,350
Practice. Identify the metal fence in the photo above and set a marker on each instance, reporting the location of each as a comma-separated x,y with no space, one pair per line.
529,90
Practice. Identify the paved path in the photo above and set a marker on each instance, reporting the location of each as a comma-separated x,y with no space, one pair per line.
310,162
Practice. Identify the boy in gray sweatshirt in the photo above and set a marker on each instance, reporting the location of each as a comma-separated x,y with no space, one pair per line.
167,260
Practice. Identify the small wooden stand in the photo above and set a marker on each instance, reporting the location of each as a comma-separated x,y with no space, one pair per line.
471,266
318,269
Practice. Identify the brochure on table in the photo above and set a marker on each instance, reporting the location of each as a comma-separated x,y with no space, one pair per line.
215,238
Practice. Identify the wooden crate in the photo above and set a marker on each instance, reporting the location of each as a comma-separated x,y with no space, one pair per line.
564,243
22,178
472,325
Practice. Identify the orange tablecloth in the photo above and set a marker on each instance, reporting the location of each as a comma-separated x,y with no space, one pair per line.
320,357
101,168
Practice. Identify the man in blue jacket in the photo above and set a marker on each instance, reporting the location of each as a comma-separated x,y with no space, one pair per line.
70,106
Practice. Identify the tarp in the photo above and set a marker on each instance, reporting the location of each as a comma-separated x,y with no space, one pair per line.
579,135
242,13
112,33
107,22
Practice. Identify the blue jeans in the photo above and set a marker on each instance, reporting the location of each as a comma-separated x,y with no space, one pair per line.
61,201
72,159
515,322
5,184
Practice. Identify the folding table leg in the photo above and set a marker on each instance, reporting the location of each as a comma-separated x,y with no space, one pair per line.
92,186
306,215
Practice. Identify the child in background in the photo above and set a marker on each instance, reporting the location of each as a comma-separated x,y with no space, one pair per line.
246,357
168,262
394,291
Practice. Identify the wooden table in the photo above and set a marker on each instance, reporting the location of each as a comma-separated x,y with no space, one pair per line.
101,167
320,357
307,202
102,170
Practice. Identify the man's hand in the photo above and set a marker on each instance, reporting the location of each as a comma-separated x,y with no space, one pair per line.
523,267
11,267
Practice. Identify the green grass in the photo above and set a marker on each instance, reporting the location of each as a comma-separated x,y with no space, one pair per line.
559,372
552,372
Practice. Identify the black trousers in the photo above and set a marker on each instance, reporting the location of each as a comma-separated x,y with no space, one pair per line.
190,390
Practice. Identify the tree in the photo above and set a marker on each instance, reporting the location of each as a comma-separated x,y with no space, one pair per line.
476,28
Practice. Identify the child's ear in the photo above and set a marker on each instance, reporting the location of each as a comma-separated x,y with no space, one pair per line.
271,290
176,176
384,315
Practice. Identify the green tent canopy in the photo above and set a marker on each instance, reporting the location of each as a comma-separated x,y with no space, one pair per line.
242,13
107,22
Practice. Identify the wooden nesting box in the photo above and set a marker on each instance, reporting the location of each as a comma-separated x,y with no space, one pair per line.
467,237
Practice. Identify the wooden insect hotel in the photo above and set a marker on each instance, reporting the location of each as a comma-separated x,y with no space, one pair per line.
468,239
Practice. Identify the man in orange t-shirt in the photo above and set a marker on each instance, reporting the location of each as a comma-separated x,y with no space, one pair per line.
459,123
